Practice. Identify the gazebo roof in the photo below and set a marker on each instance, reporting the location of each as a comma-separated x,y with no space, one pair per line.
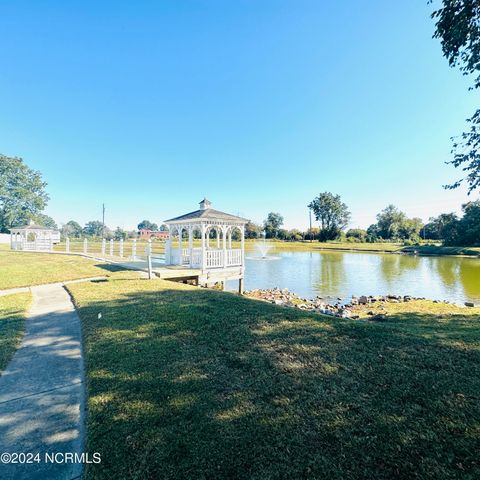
205,213
32,226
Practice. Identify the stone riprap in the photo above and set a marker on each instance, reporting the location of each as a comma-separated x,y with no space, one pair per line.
285,298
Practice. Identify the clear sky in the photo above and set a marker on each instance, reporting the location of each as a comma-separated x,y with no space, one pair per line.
258,105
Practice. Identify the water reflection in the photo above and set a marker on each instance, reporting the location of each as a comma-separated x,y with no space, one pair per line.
338,274
331,275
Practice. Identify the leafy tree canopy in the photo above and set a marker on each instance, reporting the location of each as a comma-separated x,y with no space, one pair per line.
147,225
94,228
272,224
458,28
332,214
72,229
252,230
45,221
120,234
22,193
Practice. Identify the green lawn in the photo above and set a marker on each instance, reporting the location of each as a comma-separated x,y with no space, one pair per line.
441,250
315,245
20,269
187,383
13,310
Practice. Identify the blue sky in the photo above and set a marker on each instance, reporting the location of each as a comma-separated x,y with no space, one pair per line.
259,105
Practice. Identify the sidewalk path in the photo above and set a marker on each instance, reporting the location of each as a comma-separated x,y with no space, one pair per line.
42,390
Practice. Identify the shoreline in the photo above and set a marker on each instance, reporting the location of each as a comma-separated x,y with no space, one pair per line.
373,307
411,250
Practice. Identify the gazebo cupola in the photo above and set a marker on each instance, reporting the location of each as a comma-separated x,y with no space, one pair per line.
203,239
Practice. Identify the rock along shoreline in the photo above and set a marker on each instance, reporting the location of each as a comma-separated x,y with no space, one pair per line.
285,298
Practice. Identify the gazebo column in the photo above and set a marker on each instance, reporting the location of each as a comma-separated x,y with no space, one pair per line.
217,230
190,245
224,237
180,246
242,246
204,250
168,248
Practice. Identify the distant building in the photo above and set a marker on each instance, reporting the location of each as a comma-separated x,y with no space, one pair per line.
146,234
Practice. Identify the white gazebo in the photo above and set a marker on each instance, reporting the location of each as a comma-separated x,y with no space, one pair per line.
33,237
203,240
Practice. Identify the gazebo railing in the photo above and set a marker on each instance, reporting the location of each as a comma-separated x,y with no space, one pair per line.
234,257
214,258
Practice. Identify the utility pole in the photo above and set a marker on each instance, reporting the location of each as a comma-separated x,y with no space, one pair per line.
310,215
103,220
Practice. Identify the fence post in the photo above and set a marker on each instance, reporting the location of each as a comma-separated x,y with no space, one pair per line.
121,247
134,249
85,246
111,247
148,248
103,246
67,245
149,261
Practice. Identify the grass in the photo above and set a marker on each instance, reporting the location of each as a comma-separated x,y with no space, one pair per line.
315,245
20,269
442,250
187,383
13,310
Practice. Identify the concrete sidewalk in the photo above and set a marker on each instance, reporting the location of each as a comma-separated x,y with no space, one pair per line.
42,390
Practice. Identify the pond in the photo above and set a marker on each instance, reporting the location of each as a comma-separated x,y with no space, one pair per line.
333,274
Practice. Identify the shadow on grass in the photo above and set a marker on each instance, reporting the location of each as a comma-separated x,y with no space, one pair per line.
193,384
111,267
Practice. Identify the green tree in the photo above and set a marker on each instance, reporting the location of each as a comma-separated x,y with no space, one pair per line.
294,235
272,224
252,230
470,224
410,229
439,228
356,235
94,228
390,222
147,225
458,28
72,229
22,193
373,233
332,214
119,234
45,221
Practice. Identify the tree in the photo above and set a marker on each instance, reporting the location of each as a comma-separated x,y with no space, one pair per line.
272,224
147,225
458,28
45,221
294,235
439,228
372,233
252,230
332,214
119,234
470,224
389,222
72,229
94,228
356,235
410,229
22,193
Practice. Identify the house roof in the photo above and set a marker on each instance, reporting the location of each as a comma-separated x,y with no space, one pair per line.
207,214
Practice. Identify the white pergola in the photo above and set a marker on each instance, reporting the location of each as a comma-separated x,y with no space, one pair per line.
213,253
33,237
